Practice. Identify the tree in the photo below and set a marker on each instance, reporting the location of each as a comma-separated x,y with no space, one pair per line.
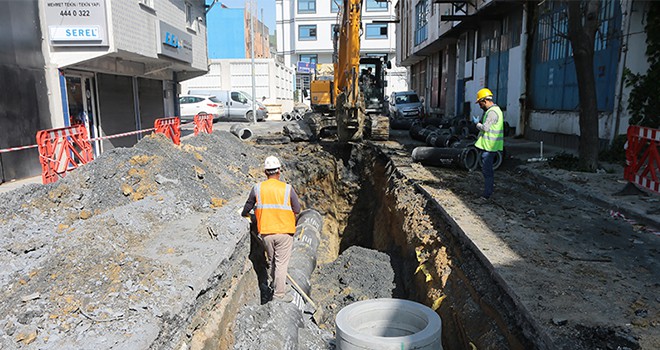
583,22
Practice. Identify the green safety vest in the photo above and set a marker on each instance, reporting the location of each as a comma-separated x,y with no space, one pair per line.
493,139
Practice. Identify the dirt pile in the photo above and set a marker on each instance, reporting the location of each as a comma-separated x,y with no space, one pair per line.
122,251
276,326
357,274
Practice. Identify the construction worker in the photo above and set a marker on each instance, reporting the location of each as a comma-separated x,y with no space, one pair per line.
275,205
491,137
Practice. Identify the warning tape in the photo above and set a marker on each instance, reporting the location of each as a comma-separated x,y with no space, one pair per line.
618,215
17,148
20,148
122,134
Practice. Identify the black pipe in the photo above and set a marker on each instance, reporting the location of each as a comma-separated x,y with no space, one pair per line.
467,157
306,242
441,140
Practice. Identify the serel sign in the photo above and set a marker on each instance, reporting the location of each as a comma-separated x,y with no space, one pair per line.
75,33
76,23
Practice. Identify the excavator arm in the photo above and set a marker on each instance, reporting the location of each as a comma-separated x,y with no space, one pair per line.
349,104
342,102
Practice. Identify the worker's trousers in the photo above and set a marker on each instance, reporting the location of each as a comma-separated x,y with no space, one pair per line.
489,173
278,247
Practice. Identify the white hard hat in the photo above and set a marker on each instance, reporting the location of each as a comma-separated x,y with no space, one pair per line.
272,163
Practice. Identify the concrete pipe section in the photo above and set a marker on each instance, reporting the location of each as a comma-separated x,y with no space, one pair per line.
242,132
385,324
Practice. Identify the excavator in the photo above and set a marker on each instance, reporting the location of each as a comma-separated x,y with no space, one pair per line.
353,99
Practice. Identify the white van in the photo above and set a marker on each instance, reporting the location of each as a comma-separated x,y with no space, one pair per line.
238,104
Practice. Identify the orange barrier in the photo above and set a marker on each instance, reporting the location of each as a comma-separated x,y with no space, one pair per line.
62,150
642,157
170,127
203,122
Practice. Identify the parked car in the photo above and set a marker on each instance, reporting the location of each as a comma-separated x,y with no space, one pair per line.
405,105
191,105
238,104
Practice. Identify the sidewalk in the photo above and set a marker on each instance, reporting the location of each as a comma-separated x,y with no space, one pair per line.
598,188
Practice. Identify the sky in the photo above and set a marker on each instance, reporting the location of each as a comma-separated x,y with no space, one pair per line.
267,5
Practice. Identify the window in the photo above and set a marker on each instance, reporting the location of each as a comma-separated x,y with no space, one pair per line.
147,3
189,15
376,31
335,5
309,58
373,5
307,32
421,14
238,97
306,6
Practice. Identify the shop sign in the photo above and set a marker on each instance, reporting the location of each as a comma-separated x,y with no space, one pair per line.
306,67
76,22
174,43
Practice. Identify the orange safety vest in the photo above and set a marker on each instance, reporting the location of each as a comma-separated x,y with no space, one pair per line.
273,209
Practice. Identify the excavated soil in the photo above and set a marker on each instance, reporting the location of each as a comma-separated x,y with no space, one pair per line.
143,248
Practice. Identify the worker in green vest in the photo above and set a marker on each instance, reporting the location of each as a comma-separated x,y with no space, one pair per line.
491,137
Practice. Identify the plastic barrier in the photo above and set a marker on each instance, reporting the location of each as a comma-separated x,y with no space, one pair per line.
203,122
170,127
642,157
62,150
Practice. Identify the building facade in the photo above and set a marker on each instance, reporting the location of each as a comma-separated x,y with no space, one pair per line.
520,51
273,80
229,34
113,65
304,34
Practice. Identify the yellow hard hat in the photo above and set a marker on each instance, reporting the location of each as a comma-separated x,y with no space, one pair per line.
484,93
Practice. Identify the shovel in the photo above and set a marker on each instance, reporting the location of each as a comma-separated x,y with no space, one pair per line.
317,316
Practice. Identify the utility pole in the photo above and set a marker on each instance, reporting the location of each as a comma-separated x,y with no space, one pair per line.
254,88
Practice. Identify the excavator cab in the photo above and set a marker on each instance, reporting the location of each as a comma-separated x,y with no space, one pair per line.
372,83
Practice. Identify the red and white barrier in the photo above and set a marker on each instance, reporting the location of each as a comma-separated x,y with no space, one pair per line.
643,158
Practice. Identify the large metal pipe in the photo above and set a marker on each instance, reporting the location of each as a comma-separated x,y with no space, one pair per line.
466,158
420,133
241,131
441,140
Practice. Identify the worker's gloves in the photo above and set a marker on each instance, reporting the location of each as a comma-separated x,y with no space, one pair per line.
475,119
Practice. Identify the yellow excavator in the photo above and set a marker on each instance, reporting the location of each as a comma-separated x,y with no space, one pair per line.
352,100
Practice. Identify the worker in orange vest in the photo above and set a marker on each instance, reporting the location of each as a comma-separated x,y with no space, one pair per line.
275,205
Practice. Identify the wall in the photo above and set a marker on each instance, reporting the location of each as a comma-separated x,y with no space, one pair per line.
24,107
632,58
514,86
273,80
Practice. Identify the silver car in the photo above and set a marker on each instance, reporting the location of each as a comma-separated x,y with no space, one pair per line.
405,105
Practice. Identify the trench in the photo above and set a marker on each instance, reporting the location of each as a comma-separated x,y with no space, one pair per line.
366,202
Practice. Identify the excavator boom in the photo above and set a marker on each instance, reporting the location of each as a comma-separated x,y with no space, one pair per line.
347,108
